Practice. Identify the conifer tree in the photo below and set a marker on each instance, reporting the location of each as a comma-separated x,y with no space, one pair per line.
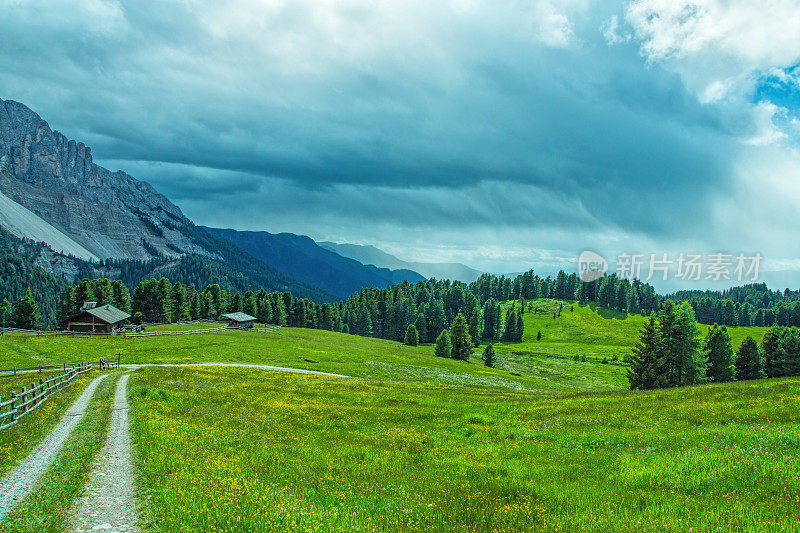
539,335
520,332
646,369
475,325
66,308
460,339
265,314
443,347
677,328
411,336
26,312
770,346
249,303
489,356
6,314
789,350
121,298
422,327
719,352
510,326
749,362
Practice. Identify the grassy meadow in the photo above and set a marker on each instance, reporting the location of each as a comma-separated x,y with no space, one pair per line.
542,442
320,350
248,450
591,331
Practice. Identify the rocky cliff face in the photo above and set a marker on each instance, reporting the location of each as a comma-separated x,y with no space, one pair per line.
111,214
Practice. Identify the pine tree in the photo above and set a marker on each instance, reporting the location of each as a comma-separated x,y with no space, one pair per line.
677,327
443,347
461,341
236,303
510,327
789,351
265,314
539,335
647,362
178,301
26,312
475,325
520,332
66,308
489,320
411,336
770,346
437,321
719,352
422,327
489,356
6,313
249,303
749,362
121,298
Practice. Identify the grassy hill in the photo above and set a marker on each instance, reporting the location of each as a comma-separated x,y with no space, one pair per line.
320,350
416,442
591,331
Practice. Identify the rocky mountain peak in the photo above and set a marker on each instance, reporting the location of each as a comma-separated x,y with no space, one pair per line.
111,214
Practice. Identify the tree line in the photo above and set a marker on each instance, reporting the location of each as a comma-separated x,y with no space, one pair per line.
670,353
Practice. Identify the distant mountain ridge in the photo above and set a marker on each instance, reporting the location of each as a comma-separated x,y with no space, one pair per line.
52,192
370,255
313,264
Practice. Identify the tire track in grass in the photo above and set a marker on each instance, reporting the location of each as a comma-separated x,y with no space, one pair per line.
109,503
19,482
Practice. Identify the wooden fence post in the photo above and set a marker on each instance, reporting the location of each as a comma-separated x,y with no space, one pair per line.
13,400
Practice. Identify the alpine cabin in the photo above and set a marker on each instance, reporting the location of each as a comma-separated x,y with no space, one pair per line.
93,319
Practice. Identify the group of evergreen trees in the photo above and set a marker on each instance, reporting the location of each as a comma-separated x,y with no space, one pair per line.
23,314
669,352
748,305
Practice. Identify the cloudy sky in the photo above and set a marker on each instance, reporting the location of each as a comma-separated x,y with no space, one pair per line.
504,134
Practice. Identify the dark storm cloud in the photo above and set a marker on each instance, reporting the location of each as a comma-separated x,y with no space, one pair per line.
420,115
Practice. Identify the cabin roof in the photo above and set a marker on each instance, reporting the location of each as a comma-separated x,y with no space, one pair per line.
239,317
107,313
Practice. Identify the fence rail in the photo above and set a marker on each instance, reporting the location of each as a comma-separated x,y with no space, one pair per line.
219,329
29,399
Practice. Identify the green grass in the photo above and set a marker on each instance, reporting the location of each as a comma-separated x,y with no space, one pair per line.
591,331
246,450
20,439
47,508
317,350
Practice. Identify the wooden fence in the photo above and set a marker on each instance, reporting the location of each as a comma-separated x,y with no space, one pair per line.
133,334
29,399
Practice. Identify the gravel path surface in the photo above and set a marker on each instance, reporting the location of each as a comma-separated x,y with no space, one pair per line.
109,503
242,365
18,483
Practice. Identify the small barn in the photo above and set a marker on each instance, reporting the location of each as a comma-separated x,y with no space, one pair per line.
239,320
93,319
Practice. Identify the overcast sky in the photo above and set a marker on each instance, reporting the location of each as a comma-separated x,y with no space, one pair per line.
503,134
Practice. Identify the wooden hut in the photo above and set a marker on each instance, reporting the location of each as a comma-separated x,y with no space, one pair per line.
239,320
92,319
